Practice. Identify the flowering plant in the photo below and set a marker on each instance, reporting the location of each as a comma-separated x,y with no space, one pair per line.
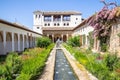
102,21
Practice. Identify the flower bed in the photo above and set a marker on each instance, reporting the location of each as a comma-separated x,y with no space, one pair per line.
104,67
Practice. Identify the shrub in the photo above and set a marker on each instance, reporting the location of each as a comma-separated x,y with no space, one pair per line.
43,42
104,67
111,60
33,67
74,41
11,68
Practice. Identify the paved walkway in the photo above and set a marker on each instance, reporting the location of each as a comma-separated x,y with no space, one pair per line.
79,70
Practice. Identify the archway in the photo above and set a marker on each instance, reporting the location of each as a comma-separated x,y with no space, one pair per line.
8,43
21,42
50,37
56,37
1,44
64,38
30,41
15,42
25,41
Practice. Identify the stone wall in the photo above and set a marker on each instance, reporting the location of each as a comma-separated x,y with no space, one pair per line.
115,39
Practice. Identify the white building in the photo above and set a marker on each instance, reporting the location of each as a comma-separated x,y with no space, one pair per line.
83,29
14,37
55,19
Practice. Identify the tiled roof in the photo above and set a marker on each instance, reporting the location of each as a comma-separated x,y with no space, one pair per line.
58,28
17,26
58,12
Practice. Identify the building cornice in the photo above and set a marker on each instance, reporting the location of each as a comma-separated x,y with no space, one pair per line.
17,26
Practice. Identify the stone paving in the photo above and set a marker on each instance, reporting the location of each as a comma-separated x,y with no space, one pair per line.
79,70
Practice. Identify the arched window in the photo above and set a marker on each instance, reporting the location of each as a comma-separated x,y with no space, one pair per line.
8,37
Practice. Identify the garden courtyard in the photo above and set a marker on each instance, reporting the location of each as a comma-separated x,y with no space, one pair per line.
78,54
50,61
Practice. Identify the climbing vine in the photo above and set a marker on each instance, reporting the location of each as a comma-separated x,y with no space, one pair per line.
102,22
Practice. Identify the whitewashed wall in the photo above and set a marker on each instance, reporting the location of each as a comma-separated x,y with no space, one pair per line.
13,38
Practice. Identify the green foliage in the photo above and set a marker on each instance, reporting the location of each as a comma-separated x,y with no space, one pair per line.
34,66
11,68
84,38
104,43
104,67
28,67
74,41
43,42
118,34
23,77
91,40
111,60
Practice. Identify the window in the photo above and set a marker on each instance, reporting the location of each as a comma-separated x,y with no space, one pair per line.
39,16
66,18
47,18
58,24
36,16
67,24
54,24
45,24
57,18
64,24
48,24
76,18
37,27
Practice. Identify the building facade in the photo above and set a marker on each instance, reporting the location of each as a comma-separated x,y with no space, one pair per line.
83,31
14,37
56,24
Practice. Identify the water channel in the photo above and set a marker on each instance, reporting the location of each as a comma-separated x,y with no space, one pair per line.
63,70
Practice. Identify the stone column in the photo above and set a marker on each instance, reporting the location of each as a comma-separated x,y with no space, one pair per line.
61,20
86,41
98,45
52,20
62,36
95,43
4,41
53,37
47,35
13,42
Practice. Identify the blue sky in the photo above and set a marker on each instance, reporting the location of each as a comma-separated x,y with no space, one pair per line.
22,10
